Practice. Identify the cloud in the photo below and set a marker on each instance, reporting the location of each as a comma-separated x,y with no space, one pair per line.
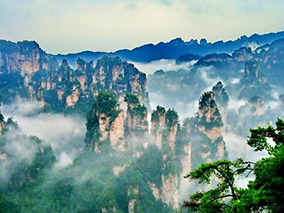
184,109
110,25
180,87
235,81
24,107
238,148
62,132
16,151
63,161
20,147
206,75
253,46
235,103
164,64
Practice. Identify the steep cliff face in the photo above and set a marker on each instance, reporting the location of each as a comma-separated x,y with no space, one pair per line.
121,77
172,124
169,192
117,132
132,193
184,150
24,57
243,54
158,124
221,95
186,166
206,128
209,117
253,82
222,99
108,125
176,150
271,60
219,60
108,131
136,121
252,69
105,125
36,75
164,127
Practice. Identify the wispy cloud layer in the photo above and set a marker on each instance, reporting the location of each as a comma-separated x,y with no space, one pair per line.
69,26
65,134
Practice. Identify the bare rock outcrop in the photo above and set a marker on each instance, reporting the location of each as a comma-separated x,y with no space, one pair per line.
63,88
105,124
25,57
206,137
136,121
164,127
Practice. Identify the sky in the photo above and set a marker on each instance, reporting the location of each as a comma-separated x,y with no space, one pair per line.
64,26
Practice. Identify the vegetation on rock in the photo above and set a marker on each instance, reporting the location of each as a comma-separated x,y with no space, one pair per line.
263,193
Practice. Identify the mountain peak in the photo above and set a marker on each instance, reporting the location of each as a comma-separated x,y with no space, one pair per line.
176,41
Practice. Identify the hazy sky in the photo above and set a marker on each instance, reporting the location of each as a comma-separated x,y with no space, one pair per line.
107,25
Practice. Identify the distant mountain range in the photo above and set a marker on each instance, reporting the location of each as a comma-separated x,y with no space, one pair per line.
27,71
176,48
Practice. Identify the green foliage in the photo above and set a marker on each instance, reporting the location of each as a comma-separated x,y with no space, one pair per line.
221,95
215,120
171,164
40,75
182,139
206,103
89,184
131,99
264,192
134,182
105,103
213,200
135,108
171,118
258,138
80,62
140,111
202,144
2,119
10,124
43,160
156,117
21,189
108,61
83,106
8,83
151,164
156,114
206,100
